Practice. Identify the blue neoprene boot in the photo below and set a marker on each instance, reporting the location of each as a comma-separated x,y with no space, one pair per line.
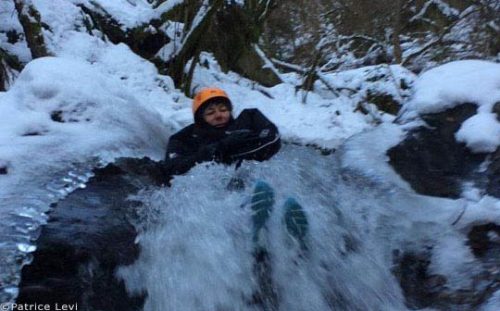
262,204
296,221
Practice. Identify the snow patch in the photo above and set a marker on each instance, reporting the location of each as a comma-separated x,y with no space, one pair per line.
452,258
455,83
460,82
71,105
366,153
493,304
481,133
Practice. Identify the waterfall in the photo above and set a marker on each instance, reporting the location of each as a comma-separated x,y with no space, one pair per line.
197,251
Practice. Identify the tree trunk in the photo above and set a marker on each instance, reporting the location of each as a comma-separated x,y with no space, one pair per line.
31,22
192,41
9,67
233,36
3,75
311,76
396,31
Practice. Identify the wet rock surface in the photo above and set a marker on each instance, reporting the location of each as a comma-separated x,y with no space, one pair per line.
87,237
422,289
493,187
411,269
484,239
435,164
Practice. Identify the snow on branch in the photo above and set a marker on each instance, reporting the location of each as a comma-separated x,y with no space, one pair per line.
288,66
167,6
201,15
444,7
320,75
267,62
191,41
265,4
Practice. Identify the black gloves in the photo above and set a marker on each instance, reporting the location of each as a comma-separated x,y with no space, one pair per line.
209,153
221,151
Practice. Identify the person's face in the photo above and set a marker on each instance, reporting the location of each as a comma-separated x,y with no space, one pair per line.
217,114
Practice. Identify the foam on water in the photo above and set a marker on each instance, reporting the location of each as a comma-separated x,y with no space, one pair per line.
197,252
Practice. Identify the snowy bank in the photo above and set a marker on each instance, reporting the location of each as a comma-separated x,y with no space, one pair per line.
460,82
63,109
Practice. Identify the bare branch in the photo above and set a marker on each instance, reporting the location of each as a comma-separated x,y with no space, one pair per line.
439,39
288,66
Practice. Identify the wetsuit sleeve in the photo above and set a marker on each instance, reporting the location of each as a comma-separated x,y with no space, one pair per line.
181,157
267,139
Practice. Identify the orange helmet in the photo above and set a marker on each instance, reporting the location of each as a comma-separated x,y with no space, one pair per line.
205,94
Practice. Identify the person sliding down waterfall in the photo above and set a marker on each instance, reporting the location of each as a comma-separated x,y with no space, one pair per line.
216,136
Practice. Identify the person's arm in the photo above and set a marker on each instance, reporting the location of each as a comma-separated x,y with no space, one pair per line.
264,142
180,157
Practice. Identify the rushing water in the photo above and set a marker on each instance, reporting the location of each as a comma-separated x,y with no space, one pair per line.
197,250
196,238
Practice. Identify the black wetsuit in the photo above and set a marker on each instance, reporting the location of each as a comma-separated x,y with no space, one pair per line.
251,136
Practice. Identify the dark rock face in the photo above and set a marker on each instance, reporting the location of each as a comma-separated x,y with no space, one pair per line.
493,187
88,236
145,40
480,241
421,289
425,290
496,109
230,38
384,102
433,162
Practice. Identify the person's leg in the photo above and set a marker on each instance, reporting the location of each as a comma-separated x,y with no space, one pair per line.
296,221
261,204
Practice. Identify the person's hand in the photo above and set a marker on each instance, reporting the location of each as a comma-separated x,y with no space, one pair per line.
208,153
